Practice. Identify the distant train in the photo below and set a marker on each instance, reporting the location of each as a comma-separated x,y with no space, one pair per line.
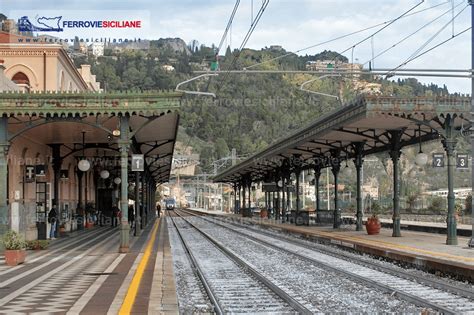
170,204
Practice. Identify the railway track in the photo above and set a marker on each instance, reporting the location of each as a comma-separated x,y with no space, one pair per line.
232,285
425,292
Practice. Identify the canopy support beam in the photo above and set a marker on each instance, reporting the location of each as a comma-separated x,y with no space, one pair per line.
124,145
395,153
358,162
4,144
449,144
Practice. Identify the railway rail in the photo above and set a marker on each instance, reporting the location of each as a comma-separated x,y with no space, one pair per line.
425,292
232,285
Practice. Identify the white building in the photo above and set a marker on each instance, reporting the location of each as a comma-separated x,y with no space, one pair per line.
97,49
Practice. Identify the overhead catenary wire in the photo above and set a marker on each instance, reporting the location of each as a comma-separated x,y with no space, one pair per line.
436,34
396,70
229,25
344,36
253,25
454,73
381,29
417,54
409,36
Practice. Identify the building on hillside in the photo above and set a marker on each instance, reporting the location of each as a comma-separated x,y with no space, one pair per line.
168,68
369,88
97,49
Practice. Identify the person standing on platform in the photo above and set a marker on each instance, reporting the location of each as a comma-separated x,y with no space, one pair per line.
115,215
53,219
158,209
131,216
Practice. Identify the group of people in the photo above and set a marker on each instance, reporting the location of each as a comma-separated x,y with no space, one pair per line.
53,218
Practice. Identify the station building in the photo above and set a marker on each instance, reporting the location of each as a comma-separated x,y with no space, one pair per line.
54,115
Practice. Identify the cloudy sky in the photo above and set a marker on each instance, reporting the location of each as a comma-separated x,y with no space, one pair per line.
293,24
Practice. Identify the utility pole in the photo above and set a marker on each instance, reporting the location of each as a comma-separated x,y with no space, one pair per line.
471,3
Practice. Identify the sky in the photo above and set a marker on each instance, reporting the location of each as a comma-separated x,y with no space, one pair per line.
292,24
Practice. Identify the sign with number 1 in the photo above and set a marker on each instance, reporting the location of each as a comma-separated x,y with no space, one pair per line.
138,163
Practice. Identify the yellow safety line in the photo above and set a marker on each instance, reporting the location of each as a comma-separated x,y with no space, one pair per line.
135,284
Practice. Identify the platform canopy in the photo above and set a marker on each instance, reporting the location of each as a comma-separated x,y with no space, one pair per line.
63,118
370,121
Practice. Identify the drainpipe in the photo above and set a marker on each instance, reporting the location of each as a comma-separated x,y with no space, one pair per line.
44,71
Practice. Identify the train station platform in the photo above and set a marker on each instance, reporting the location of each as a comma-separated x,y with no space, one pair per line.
85,274
422,250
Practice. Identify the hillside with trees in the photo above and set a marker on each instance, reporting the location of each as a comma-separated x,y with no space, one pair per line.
250,111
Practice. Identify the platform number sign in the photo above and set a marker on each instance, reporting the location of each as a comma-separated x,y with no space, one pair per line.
438,160
462,161
30,172
138,163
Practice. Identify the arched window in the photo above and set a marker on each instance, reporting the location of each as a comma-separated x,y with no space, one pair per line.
22,80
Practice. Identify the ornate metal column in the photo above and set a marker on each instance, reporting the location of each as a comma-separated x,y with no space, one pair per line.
4,145
336,167
235,197
137,220
288,195
358,162
317,176
243,196
395,153
146,205
249,183
297,189
449,144
277,207
283,198
80,210
124,145
57,161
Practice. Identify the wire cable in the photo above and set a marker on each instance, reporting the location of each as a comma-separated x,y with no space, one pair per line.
245,40
417,54
229,24
410,35
381,29
392,72
344,36
436,34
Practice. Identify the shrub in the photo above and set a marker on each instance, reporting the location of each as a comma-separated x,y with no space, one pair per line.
468,204
436,204
13,240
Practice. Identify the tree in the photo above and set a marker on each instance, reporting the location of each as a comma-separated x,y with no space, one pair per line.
221,148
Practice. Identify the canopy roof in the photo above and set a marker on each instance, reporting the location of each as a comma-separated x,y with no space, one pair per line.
369,120
52,118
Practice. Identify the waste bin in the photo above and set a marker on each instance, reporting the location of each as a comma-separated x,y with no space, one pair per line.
337,218
302,218
246,212
42,227
292,216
